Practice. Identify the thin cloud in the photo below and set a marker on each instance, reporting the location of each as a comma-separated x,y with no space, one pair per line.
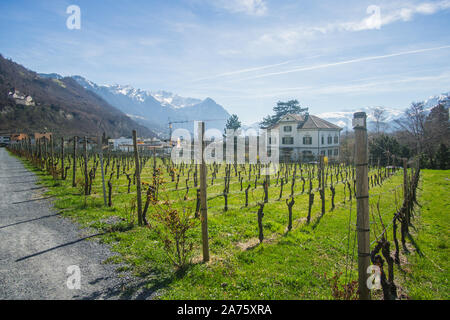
249,7
347,88
231,73
377,17
244,71
334,64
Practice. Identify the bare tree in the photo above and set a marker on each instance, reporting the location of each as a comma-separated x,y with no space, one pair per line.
379,114
413,124
424,132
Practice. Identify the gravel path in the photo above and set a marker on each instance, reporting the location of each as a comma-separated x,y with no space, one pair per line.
37,246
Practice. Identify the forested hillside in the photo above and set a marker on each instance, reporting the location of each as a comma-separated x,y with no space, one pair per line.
61,106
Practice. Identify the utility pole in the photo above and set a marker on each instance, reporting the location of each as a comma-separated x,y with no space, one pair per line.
362,197
138,178
203,201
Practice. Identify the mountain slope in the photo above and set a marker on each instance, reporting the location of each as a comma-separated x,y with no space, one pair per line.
156,109
344,118
59,105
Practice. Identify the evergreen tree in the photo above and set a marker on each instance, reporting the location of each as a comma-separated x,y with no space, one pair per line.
383,146
282,109
233,123
443,157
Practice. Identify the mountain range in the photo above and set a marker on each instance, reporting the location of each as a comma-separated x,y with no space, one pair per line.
344,118
156,109
75,105
31,103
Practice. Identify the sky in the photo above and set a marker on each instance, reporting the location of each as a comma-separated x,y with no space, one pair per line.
245,54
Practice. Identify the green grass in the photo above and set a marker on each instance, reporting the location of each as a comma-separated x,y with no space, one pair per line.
287,265
425,275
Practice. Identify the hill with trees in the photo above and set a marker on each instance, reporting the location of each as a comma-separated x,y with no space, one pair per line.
32,103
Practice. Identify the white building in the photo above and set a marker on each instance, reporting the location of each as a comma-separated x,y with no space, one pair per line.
306,137
5,140
122,143
21,98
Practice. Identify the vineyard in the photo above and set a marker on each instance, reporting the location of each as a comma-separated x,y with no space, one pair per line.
291,235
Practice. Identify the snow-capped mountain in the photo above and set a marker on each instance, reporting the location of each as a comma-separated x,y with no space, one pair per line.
156,109
433,101
174,100
344,118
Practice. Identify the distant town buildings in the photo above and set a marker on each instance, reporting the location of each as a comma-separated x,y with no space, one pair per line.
46,135
5,140
126,145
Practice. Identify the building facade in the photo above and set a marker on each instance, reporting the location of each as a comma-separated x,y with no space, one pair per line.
305,137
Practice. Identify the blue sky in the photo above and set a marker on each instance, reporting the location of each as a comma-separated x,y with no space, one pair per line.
245,54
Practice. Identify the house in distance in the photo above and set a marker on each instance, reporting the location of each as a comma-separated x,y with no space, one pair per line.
305,137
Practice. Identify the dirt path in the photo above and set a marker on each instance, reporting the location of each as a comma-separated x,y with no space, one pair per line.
37,245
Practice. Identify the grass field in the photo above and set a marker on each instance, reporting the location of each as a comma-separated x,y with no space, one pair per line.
287,265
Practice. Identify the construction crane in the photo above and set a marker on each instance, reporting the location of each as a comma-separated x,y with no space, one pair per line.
187,121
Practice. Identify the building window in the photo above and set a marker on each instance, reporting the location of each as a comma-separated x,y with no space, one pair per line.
336,139
322,152
287,129
330,152
330,140
288,140
323,140
336,152
307,140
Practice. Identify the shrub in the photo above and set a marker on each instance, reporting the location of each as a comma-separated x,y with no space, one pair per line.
172,227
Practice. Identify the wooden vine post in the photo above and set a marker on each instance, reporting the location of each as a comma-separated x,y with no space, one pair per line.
62,158
406,190
203,200
100,155
362,197
74,181
322,182
138,178
86,180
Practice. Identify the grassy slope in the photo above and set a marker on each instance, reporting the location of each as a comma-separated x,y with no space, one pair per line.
287,266
425,276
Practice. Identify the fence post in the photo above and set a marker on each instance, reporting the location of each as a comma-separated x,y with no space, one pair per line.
362,197
138,178
86,179
406,193
103,172
52,167
203,201
74,182
322,182
62,158
405,178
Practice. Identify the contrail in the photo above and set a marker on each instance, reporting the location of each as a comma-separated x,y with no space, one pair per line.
243,71
322,66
